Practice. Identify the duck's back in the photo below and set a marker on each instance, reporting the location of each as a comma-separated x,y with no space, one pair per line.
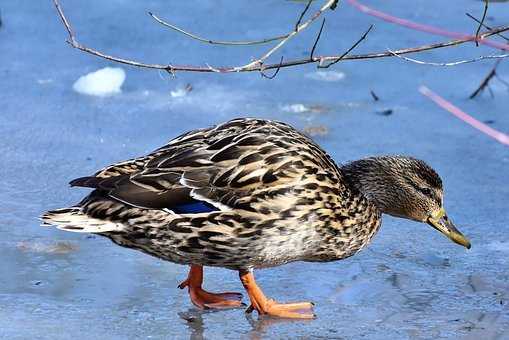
247,193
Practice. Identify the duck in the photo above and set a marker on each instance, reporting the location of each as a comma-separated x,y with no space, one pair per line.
249,194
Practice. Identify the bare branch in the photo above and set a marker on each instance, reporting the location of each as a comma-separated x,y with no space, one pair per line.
486,3
348,51
298,28
171,69
215,42
486,26
74,43
455,63
71,40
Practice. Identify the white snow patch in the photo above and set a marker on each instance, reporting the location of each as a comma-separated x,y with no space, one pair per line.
178,93
296,108
326,75
181,91
301,108
104,82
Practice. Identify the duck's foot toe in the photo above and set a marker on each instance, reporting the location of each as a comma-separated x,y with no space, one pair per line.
206,300
297,310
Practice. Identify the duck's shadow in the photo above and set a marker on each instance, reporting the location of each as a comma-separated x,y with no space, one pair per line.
259,325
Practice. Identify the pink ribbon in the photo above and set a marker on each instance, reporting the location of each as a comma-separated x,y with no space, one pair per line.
424,28
497,135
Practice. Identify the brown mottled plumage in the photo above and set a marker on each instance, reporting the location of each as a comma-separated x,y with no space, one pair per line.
278,197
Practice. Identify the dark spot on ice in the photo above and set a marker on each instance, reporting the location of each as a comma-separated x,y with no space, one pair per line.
386,112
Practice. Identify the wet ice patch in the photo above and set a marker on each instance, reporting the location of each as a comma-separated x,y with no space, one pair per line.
356,293
316,131
330,76
499,246
104,82
44,81
60,247
207,98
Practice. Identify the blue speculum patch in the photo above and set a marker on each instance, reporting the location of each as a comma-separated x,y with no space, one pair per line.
194,207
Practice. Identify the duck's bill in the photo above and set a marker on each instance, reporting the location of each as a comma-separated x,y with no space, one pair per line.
443,224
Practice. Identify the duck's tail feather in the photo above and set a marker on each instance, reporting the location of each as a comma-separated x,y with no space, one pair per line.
75,220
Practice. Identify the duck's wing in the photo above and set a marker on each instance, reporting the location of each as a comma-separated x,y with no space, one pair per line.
225,166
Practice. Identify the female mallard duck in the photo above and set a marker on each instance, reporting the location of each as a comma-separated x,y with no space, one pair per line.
248,194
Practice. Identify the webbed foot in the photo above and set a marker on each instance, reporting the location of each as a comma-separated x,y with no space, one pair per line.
206,300
297,310
264,306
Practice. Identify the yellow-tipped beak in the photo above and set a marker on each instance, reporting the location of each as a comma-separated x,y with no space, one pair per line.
443,224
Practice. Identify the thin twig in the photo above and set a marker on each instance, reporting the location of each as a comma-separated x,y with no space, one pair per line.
275,73
493,72
486,80
486,26
215,42
71,40
170,68
257,63
297,24
486,3
455,63
213,69
347,51
311,55
74,43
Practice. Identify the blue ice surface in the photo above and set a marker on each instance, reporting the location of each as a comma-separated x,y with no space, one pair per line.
410,283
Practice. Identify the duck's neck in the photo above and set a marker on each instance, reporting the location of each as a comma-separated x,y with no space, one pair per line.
374,181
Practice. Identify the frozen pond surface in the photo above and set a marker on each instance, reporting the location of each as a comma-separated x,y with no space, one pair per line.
411,283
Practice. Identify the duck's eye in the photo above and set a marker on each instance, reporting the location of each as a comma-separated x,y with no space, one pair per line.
426,191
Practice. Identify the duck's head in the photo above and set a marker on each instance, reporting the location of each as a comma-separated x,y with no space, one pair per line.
404,187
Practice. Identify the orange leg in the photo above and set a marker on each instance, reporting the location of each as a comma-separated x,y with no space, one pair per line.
264,306
203,299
